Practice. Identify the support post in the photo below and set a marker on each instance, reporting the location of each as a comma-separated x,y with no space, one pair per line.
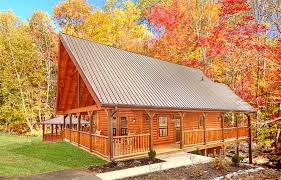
204,128
250,140
150,116
110,114
52,131
56,128
78,128
64,124
237,134
222,133
181,130
70,127
91,113
43,131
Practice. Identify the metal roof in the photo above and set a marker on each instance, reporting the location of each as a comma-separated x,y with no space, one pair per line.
123,78
59,120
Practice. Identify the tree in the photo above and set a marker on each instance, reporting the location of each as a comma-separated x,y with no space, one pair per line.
71,14
117,26
21,85
45,38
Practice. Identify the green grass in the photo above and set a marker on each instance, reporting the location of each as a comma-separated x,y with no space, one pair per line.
23,156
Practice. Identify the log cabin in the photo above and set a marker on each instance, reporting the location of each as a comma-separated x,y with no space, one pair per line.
135,103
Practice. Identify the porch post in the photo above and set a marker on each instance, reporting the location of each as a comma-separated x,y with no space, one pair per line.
91,128
150,116
70,127
110,114
79,127
250,140
181,130
237,131
222,133
52,131
204,128
64,120
56,128
43,131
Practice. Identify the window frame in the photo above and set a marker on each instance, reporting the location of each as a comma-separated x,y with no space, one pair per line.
163,129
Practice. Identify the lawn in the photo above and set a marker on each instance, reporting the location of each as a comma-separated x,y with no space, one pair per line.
23,156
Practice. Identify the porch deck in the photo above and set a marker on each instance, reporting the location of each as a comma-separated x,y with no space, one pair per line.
138,145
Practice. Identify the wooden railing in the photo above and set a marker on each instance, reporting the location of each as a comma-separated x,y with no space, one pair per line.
243,131
125,145
85,139
52,137
196,136
66,133
230,133
193,137
213,135
122,145
100,144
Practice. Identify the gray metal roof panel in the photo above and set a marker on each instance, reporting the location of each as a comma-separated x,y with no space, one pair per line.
124,78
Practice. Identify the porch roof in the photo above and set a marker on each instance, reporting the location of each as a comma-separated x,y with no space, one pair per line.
59,120
120,78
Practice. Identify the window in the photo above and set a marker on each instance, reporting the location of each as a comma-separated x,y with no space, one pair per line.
114,126
123,126
163,126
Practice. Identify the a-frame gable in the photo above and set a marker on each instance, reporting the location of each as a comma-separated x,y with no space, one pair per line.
67,85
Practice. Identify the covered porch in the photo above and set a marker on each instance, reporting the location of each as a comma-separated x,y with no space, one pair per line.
133,138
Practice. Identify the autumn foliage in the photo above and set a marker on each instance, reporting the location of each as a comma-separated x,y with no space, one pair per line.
235,42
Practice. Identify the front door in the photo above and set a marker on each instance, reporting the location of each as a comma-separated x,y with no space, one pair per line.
178,130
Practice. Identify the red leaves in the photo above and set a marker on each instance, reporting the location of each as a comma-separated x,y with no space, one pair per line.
230,7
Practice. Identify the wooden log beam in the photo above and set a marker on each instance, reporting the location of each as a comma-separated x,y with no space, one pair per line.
82,109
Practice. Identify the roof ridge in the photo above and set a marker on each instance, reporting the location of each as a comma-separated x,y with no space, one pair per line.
164,60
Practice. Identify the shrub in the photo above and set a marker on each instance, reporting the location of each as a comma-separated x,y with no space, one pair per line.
152,155
220,162
236,159
197,151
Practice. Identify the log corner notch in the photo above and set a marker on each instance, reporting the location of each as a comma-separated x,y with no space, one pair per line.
250,139
110,114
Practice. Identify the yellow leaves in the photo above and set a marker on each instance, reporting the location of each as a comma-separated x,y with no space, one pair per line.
116,26
71,14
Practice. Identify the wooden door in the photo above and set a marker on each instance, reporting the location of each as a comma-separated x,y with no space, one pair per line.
178,129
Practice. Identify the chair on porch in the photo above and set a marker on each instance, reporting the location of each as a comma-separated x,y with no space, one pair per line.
98,132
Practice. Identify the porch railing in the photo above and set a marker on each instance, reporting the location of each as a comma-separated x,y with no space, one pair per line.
193,136
100,144
122,145
125,145
52,137
196,136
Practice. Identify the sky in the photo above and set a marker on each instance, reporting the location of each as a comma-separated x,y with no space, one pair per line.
24,8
